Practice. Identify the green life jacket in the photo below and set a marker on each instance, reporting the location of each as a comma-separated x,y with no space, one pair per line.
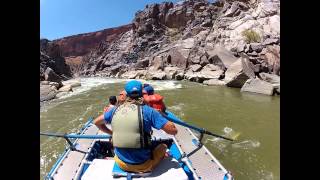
127,127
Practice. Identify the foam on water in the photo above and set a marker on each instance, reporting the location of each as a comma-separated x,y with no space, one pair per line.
247,144
92,82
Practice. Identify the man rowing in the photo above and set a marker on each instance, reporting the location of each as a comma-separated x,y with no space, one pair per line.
131,123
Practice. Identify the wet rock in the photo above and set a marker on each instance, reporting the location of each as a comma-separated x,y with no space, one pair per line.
47,93
72,82
65,88
44,82
55,84
258,86
179,75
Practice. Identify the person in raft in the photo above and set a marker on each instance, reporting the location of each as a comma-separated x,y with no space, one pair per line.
112,103
131,124
152,99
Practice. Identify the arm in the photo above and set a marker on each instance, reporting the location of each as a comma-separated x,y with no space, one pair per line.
170,128
99,122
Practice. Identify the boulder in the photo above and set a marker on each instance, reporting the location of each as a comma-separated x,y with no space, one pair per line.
65,88
272,58
47,93
44,82
179,75
258,86
72,82
55,84
271,78
238,73
142,63
195,67
221,57
270,41
266,8
171,72
214,82
257,47
157,63
178,57
50,75
211,71
232,10
204,74
204,60
158,75
130,74
194,76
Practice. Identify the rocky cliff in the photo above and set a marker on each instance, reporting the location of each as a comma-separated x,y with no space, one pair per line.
52,63
73,48
228,42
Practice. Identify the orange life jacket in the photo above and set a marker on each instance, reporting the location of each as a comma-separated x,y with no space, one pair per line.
155,101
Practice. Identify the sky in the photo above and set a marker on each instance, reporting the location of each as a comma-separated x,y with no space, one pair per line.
61,18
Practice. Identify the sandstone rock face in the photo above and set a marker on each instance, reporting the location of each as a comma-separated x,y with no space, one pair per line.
81,44
258,86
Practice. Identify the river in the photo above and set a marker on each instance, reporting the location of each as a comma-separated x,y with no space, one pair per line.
254,119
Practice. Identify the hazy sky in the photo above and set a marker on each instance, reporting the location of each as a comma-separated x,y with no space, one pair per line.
60,18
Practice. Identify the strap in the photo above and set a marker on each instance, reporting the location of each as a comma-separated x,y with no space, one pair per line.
142,143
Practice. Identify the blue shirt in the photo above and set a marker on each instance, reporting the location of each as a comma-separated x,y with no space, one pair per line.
151,118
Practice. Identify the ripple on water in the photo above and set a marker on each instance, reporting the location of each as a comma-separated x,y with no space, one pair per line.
247,144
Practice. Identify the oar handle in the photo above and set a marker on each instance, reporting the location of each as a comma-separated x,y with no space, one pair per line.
201,130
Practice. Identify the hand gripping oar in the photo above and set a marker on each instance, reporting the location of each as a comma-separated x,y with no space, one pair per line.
201,130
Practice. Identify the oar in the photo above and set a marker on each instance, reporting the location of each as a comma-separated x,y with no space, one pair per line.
201,130
81,136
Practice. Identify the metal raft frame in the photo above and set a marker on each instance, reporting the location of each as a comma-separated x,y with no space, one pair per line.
194,155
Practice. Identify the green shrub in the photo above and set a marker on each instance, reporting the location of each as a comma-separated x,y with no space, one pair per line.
251,36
